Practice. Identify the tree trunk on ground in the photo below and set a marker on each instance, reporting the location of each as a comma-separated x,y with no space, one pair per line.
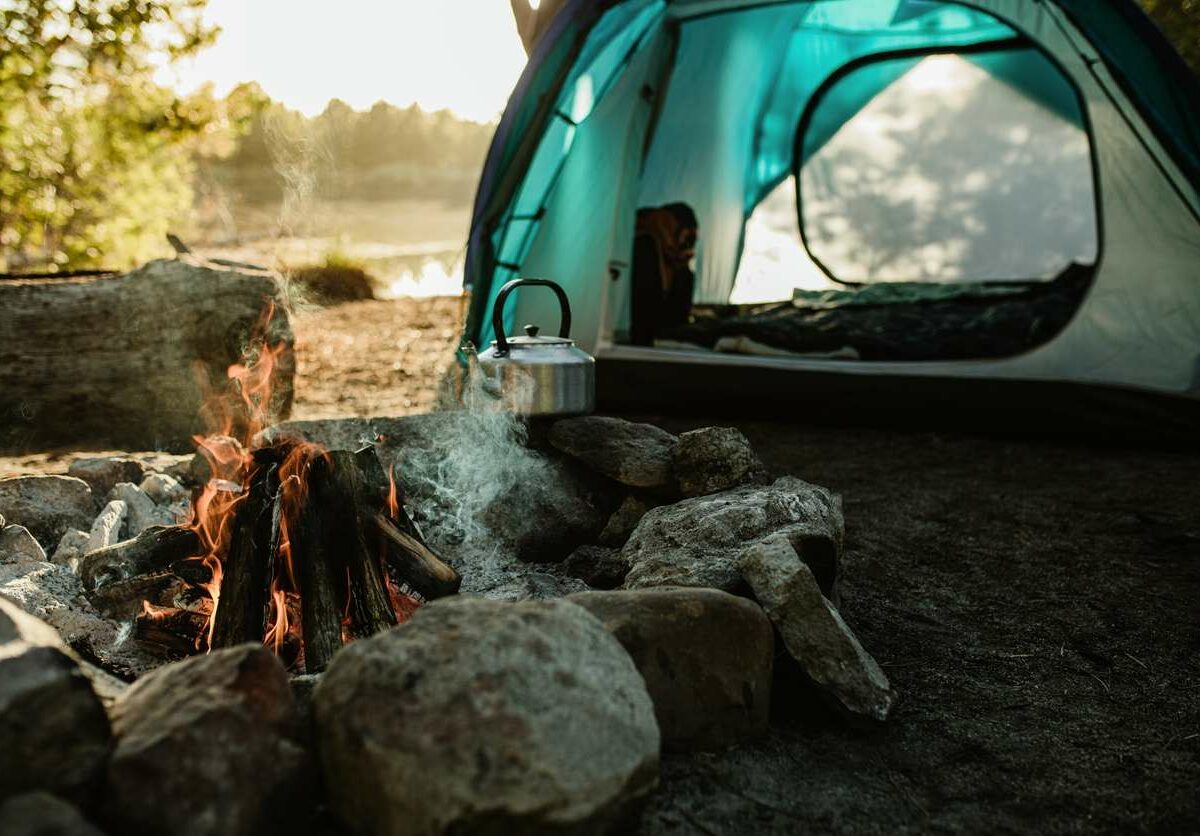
125,361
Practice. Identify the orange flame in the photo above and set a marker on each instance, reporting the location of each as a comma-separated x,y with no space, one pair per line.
242,406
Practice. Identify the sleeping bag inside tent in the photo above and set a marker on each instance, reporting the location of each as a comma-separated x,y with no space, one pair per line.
747,197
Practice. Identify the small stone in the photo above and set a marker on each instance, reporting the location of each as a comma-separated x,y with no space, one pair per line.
47,505
623,521
813,631
706,657
714,459
106,529
599,567
481,716
17,545
71,547
103,473
696,542
215,732
163,489
54,734
43,814
638,455
141,511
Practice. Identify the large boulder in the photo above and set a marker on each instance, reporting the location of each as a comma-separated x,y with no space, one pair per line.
706,657
638,455
47,505
208,746
480,716
696,542
714,459
54,734
43,814
474,478
813,631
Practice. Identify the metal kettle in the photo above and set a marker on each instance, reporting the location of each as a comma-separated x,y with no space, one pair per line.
536,375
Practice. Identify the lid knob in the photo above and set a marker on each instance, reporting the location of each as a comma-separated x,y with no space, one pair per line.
531,330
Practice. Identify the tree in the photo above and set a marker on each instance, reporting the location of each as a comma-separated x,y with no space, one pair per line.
95,157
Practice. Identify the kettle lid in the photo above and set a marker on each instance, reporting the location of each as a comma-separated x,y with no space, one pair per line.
532,338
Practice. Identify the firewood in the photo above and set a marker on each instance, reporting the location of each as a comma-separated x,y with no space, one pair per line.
170,633
246,570
346,495
123,599
318,573
153,550
412,562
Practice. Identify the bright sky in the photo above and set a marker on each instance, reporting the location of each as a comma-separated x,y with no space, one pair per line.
458,54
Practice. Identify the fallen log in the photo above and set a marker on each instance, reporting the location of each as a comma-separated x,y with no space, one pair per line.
127,360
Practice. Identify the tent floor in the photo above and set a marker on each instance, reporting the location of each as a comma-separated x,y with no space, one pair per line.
675,382
1034,604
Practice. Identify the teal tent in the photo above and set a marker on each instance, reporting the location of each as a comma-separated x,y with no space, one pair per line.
965,153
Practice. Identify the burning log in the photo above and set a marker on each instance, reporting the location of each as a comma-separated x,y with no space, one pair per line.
171,633
129,360
308,549
242,611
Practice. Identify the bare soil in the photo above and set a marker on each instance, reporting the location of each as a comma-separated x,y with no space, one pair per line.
1038,608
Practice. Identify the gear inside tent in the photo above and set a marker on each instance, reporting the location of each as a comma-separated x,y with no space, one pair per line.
755,201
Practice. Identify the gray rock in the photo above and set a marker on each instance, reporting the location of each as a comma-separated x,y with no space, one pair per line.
142,512
71,547
599,567
106,528
102,474
623,521
43,814
18,546
205,746
54,734
53,593
638,455
696,542
480,716
706,657
163,489
813,631
542,520
714,459
47,505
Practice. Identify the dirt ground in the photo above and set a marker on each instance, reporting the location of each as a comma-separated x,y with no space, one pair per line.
1036,605
379,357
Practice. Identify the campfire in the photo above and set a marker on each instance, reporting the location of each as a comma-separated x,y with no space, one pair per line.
292,545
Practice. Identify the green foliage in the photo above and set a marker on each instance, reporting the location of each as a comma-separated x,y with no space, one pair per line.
1180,21
95,158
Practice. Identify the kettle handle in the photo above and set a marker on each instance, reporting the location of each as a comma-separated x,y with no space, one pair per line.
564,330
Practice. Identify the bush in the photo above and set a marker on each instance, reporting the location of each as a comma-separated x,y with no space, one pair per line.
336,281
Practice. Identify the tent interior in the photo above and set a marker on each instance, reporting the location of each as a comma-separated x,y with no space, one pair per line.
874,180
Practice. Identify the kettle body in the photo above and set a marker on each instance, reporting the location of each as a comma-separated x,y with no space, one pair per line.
534,374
